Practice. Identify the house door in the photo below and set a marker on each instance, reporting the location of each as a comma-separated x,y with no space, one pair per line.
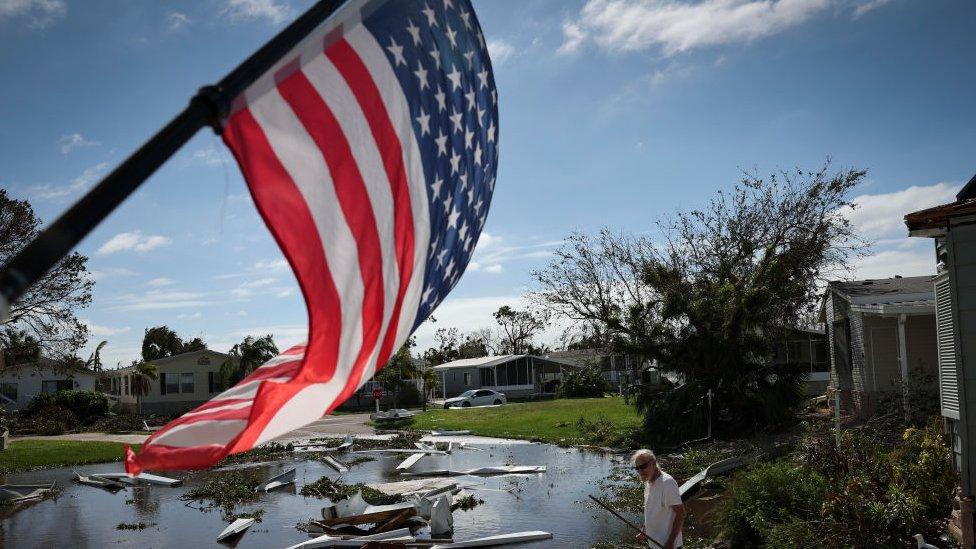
885,370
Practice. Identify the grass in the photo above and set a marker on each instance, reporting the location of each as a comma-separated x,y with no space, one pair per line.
29,455
553,421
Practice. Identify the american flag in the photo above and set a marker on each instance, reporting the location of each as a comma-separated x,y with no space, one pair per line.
371,151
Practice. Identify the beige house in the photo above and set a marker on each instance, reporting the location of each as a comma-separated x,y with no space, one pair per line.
185,381
882,333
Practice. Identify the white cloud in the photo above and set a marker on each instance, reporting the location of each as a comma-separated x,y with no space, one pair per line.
177,21
211,157
573,38
102,274
883,215
158,300
78,184
869,5
271,265
239,10
674,27
185,316
499,51
258,283
160,282
133,241
104,331
915,259
491,252
39,13
71,142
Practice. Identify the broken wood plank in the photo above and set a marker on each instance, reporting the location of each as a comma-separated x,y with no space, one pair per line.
334,464
396,521
409,462
502,539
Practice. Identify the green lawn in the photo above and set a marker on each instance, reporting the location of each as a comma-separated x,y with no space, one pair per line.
26,455
551,421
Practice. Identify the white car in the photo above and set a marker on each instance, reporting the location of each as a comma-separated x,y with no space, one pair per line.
476,397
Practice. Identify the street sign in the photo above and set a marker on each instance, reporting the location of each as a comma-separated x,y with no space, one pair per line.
377,393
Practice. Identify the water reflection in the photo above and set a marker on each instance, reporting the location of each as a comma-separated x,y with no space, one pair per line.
84,516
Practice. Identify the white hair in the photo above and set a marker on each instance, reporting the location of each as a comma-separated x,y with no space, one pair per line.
642,453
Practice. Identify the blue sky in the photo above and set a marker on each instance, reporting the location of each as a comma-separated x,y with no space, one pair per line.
613,113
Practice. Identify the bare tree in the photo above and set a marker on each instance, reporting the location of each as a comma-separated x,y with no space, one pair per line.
46,311
519,327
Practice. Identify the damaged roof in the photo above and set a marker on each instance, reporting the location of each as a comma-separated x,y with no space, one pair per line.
886,291
934,221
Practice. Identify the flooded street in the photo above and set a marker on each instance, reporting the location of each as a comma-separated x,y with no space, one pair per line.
82,516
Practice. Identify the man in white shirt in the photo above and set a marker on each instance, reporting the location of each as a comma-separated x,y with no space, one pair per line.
664,514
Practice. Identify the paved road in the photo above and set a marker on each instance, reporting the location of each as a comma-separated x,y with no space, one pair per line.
98,437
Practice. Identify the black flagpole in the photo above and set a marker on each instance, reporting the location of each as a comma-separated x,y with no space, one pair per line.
208,107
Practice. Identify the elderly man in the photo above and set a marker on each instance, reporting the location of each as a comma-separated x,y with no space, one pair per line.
664,514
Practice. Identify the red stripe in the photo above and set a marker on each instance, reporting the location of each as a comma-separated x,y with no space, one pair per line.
285,369
357,76
216,403
286,214
324,129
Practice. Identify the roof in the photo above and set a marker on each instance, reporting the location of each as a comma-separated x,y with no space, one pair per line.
910,292
487,361
168,359
935,221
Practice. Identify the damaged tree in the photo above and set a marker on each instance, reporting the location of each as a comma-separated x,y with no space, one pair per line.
711,299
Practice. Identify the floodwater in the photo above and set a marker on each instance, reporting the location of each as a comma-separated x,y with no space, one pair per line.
83,516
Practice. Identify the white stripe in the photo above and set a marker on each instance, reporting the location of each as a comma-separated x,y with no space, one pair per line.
248,389
304,162
335,91
297,412
202,433
281,359
376,62
235,406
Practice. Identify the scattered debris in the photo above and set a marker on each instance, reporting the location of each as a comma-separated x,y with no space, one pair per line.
713,470
503,539
391,415
134,525
357,460
337,490
441,517
146,427
467,502
277,481
401,451
334,464
484,471
400,536
315,447
236,528
226,488
420,486
104,483
409,462
20,493
270,451
354,510
449,433
142,478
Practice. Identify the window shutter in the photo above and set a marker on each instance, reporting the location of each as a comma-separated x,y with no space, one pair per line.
948,377
162,383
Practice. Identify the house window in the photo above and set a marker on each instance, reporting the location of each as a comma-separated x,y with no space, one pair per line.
211,382
9,391
186,382
467,379
172,383
502,375
56,385
126,386
523,371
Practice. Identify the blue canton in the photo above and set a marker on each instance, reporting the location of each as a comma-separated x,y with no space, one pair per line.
439,55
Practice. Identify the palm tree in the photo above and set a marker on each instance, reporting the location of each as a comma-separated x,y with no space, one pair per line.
246,357
141,376
94,362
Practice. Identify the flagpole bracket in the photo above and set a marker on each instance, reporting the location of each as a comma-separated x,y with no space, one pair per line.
216,104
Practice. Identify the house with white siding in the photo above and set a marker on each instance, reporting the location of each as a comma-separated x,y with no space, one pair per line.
882,334
517,376
20,383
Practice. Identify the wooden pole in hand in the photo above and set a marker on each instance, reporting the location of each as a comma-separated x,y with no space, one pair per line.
628,523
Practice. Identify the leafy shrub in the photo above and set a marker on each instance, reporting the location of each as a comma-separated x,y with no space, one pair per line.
864,494
583,383
118,423
767,496
408,395
87,406
603,432
50,420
